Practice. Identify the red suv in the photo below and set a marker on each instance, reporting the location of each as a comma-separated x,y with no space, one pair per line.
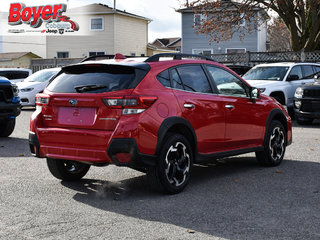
159,117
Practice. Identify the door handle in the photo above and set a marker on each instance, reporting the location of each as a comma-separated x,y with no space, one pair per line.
229,106
187,105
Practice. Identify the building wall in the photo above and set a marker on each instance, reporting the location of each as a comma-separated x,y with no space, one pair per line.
262,38
80,43
131,35
121,34
25,43
20,42
7,64
192,40
151,52
23,62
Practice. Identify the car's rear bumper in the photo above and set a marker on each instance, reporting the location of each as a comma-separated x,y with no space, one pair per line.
92,147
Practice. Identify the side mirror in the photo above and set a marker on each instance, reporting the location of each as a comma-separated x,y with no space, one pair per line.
254,94
317,78
293,77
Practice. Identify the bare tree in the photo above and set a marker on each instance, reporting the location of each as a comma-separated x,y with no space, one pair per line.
222,18
279,36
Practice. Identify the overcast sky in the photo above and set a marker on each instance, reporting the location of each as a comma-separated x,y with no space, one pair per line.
165,21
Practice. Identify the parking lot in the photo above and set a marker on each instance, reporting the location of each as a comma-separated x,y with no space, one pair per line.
232,199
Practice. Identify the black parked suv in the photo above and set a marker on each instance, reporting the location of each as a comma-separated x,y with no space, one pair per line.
307,102
9,107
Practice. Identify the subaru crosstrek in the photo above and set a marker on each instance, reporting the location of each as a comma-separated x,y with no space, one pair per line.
158,117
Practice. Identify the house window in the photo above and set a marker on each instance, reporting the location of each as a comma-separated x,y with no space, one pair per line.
97,24
91,54
198,19
205,52
235,50
62,54
132,54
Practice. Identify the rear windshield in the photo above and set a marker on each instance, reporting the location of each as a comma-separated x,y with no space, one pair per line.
12,74
96,79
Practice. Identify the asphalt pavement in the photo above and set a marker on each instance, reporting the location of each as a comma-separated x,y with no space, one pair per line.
232,199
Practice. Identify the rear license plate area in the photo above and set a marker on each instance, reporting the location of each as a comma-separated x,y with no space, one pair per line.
78,116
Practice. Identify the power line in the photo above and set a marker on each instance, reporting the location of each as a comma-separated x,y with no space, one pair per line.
41,44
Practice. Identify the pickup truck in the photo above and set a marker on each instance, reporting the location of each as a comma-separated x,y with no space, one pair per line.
10,106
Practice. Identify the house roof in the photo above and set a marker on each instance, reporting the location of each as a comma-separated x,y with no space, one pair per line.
15,55
99,8
167,42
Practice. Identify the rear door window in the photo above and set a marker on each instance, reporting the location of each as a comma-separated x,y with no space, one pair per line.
316,69
176,81
307,71
164,78
194,79
96,79
296,70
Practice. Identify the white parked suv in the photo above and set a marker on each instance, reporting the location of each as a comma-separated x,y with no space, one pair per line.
280,80
15,75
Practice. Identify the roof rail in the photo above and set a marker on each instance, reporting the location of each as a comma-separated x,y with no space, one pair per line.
176,56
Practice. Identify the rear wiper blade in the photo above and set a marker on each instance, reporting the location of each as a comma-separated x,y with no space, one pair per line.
86,88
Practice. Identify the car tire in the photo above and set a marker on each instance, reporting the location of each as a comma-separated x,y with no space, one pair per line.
274,145
67,170
304,121
7,127
172,172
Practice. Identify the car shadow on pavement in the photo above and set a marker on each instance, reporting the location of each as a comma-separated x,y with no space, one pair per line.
233,199
14,147
315,124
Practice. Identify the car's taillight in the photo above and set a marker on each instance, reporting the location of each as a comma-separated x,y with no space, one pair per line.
130,104
42,99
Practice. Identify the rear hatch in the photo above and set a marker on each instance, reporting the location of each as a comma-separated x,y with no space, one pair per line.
82,96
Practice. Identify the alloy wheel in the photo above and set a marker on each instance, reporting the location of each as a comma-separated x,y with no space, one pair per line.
177,164
277,144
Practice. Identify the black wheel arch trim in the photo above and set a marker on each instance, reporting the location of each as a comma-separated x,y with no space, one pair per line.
273,116
170,122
